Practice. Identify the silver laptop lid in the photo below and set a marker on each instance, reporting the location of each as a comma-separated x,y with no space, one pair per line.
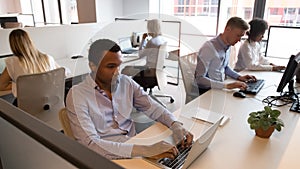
201,144
125,43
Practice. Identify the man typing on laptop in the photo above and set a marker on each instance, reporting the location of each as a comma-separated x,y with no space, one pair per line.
99,109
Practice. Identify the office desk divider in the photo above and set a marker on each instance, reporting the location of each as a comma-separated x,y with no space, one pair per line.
21,132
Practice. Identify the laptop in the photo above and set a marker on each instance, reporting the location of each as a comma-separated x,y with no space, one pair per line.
126,46
187,157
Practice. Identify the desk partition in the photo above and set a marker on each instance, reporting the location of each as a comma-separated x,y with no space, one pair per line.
27,142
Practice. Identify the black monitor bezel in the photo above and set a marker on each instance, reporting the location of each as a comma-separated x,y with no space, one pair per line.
288,74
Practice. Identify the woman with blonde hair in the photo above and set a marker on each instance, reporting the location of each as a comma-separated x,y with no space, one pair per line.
149,47
26,59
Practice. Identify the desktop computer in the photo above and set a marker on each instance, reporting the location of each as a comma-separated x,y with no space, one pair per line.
287,79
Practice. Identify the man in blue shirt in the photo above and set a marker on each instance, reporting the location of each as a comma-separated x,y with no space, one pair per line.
213,57
99,109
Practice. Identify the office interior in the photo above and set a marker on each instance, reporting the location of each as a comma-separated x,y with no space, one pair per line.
65,37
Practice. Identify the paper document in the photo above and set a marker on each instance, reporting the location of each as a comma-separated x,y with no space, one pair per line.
209,116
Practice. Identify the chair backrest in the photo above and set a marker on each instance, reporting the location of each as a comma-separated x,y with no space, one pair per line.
65,122
42,94
161,56
187,65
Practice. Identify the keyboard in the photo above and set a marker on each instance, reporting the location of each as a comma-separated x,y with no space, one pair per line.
254,87
179,160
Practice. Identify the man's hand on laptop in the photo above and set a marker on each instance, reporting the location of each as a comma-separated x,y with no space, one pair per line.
155,151
181,135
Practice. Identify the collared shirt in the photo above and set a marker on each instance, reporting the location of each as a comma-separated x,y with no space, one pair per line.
103,124
250,57
212,64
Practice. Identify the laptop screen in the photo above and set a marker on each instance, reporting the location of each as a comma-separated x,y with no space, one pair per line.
125,43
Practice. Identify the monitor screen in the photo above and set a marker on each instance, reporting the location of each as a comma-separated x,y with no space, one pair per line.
289,73
282,41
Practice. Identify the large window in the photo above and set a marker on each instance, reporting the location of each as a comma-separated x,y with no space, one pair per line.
51,12
203,14
284,12
230,8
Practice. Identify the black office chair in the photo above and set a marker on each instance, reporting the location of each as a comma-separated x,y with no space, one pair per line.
150,77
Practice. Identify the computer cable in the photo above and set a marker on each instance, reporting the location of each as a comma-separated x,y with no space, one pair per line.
285,98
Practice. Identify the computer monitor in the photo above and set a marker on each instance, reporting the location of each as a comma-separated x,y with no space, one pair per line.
282,41
288,75
288,78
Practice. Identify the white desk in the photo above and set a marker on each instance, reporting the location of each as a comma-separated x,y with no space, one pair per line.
235,145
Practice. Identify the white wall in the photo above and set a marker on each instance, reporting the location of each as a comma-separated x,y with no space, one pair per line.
106,11
58,41
133,7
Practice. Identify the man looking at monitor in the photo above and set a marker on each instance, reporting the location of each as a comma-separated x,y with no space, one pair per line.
213,57
99,109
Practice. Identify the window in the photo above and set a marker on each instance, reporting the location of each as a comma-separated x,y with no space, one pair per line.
285,13
198,12
51,11
230,8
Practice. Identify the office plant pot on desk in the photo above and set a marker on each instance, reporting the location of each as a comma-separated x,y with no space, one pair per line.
264,122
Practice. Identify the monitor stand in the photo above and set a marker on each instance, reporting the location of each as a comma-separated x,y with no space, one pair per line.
296,105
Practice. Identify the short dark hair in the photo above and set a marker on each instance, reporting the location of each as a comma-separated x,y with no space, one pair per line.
97,49
237,22
257,26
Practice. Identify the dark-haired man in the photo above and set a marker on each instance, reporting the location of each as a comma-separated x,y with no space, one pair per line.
100,107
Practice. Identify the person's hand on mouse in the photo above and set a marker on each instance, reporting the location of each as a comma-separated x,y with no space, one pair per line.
237,84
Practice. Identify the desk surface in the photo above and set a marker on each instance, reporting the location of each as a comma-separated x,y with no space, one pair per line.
235,145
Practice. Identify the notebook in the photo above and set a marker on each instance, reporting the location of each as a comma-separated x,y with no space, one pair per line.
126,46
197,148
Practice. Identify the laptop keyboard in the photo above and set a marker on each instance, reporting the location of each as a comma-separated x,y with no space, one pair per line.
179,160
254,87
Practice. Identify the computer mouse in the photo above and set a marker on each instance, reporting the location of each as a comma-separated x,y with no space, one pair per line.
239,94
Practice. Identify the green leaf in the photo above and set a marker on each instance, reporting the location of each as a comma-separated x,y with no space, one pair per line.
275,113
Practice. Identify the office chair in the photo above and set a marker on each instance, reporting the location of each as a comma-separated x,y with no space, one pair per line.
65,122
42,95
187,65
149,77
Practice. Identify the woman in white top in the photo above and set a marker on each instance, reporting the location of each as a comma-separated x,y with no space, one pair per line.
149,48
26,59
249,56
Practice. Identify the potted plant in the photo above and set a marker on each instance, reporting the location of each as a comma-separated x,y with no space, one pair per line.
265,122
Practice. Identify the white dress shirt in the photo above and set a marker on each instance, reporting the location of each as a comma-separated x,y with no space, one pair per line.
102,124
212,64
250,57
